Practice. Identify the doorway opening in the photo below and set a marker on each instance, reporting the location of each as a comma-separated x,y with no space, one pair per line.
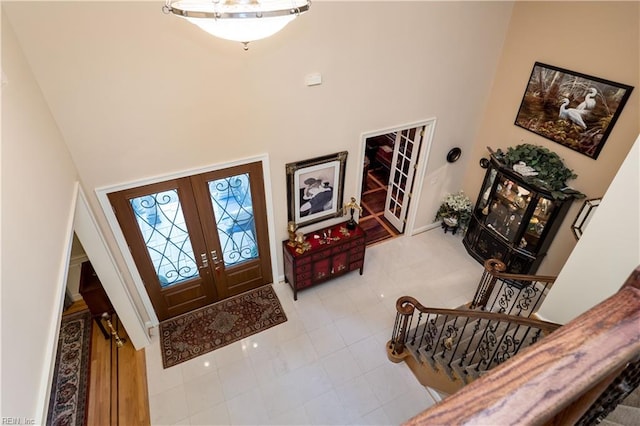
389,173
375,179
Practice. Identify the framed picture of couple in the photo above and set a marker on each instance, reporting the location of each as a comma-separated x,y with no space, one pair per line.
315,188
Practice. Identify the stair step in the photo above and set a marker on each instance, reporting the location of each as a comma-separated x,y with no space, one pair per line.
444,367
633,399
462,372
625,415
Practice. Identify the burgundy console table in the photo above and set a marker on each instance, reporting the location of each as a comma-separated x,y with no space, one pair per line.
331,252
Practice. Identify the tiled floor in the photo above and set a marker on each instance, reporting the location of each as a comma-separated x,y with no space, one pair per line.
327,364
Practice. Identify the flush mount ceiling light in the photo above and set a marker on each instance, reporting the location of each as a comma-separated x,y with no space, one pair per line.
239,20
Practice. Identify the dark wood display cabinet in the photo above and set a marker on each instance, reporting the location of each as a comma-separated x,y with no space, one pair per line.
329,253
513,220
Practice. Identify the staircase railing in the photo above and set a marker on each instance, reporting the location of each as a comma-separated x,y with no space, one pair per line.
513,294
559,379
461,343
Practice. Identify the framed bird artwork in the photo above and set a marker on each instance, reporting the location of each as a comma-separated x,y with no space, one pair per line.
570,108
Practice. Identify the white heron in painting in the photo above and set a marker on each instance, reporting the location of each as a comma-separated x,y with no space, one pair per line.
572,114
589,102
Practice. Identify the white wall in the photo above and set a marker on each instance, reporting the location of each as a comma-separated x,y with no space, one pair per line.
607,252
139,94
38,188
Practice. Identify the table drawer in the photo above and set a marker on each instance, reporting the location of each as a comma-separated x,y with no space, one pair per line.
321,255
358,242
356,265
304,268
303,284
303,276
356,250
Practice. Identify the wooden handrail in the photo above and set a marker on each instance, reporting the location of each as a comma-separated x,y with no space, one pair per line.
494,271
496,268
406,305
544,380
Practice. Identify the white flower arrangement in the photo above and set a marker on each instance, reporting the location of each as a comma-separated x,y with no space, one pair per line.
456,206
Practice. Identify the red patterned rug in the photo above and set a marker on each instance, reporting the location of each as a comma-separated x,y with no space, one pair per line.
206,329
68,401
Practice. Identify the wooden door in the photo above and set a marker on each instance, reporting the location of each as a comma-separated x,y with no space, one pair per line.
197,239
233,204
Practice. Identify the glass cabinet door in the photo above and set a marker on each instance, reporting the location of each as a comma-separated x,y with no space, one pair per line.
507,208
531,239
483,202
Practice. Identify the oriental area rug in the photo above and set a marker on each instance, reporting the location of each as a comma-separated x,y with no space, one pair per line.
68,400
203,330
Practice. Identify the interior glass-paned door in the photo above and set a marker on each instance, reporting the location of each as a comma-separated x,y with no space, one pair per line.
403,166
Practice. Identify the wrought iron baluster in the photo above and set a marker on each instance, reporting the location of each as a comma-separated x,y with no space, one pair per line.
451,333
432,331
425,330
541,295
503,297
523,339
446,318
463,357
536,336
515,303
396,330
526,298
487,342
415,329
502,349
455,350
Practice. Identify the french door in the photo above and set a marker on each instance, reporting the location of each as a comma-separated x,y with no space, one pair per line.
403,166
198,239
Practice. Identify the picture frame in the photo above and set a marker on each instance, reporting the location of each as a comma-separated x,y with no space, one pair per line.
315,188
573,109
584,216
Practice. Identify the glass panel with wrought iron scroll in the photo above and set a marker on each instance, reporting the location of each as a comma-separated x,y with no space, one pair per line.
162,225
233,211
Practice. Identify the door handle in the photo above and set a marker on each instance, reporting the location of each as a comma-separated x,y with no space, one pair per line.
216,261
205,261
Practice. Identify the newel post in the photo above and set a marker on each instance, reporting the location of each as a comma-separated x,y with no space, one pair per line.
405,307
492,267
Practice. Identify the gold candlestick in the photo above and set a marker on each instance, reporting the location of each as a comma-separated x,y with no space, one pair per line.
351,206
291,228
